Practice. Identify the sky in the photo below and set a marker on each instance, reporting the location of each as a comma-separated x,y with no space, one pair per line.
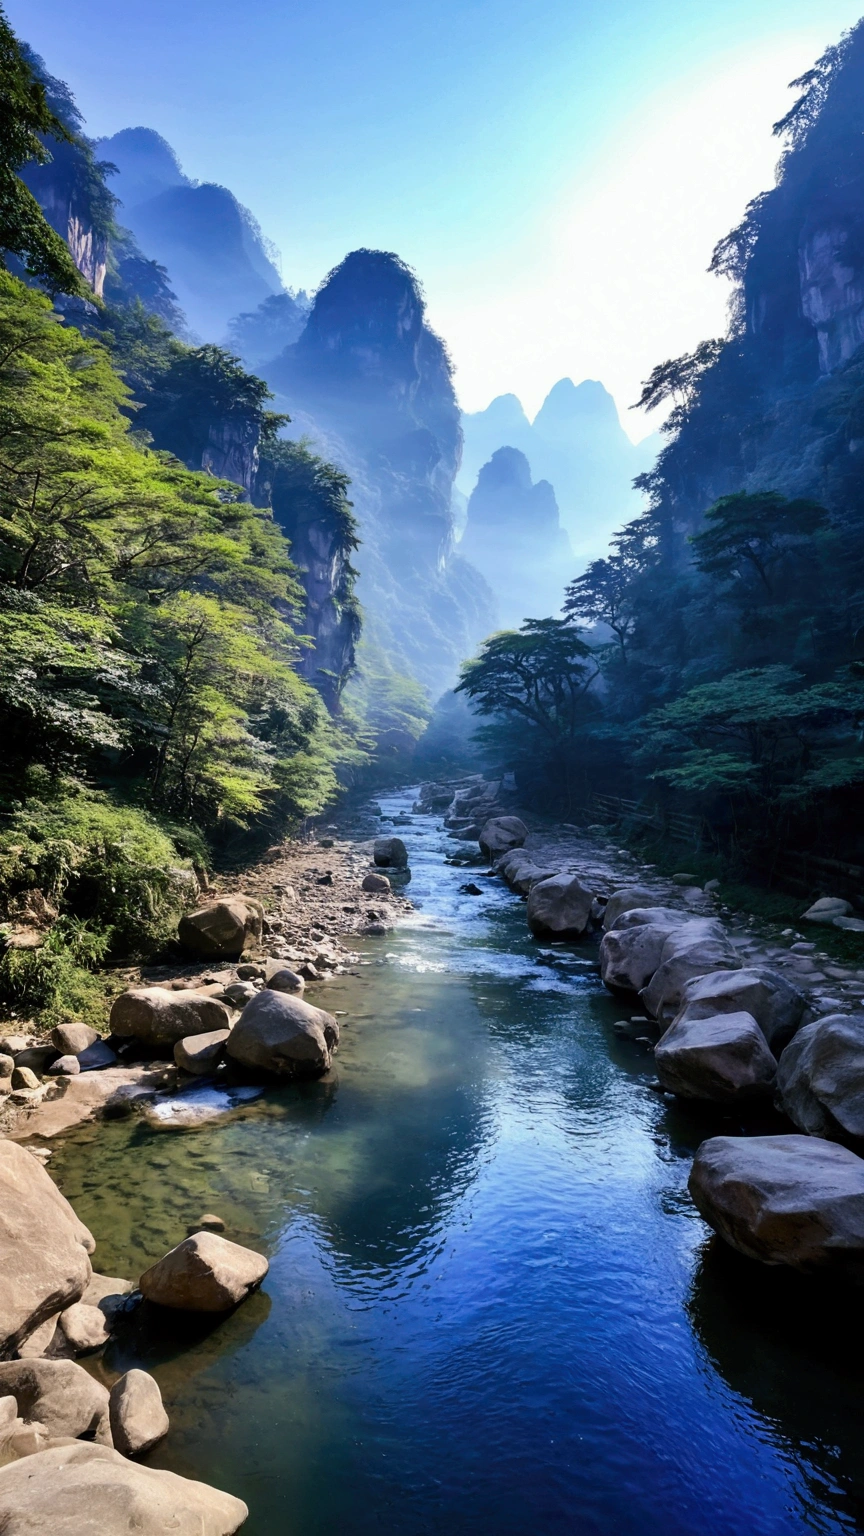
557,172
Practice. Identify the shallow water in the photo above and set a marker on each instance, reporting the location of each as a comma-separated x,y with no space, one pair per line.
491,1306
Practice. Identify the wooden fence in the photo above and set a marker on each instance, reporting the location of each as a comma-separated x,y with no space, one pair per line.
672,824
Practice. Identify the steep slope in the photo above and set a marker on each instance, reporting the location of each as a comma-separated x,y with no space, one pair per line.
371,384
515,540
209,243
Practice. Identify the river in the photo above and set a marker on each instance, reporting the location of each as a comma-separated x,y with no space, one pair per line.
491,1307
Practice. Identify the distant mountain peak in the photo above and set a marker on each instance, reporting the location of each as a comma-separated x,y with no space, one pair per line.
567,403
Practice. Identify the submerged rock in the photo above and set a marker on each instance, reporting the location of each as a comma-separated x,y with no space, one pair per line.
723,1058
784,1200
281,1034
222,928
90,1490
138,1417
204,1273
44,1248
820,1080
559,907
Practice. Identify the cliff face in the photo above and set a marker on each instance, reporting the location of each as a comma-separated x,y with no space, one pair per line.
371,384
514,538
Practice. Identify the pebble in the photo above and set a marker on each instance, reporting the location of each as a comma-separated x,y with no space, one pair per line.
211,1223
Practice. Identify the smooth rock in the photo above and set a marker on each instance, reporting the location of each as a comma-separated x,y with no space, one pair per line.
283,1034
72,1039
635,917
39,1342
559,907
683,879
790,1200
630,956
65,1066
201,1054
12,1045
724,1058
222,928
850,924
89,1490
392,851
776,1005
521,872
626,899
820,1079
204,1273
86,1328
239,993
159,1017
826,909
501,833
286,980
138,1417
108,1293
36,1058
59,1394
44,1248
378,883
694,949
24,1077
211,1223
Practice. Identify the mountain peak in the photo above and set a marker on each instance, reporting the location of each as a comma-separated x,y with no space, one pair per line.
568,403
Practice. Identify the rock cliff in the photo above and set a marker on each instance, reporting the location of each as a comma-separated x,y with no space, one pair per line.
371,384
514,538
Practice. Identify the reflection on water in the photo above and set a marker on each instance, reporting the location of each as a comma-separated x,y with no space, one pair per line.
490,1306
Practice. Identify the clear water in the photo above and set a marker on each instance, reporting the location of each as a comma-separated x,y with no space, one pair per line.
490,1306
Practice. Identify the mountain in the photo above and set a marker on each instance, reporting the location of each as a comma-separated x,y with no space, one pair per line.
209,243
371,384
576,441
515,540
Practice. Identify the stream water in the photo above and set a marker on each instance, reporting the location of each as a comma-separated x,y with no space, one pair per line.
491,1307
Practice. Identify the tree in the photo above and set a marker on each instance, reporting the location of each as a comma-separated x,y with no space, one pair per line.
754,532
678,380
606,593
25,120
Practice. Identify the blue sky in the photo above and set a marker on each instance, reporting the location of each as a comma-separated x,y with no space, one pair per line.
557,173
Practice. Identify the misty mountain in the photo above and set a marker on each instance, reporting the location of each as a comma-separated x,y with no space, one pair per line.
575,441
209,243
515,539
371,385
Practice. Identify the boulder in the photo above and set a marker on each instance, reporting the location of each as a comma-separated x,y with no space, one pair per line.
286,980
630,956
59,1394
201,1054
820,1079
204,1273
12,1045
501,833
784,1200
24,1077
138,1418
36,1058
826,909
239,993
38,1343
392,851
72,1039
108,1293
520,872
222,928
44,1248
65,1066
693,949
89,1490
624,900
283,1034
158,1017
724,1058
559,907
85,1327
378,883
634,917
776,1005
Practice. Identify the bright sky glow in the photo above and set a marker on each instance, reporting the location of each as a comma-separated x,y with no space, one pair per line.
556,171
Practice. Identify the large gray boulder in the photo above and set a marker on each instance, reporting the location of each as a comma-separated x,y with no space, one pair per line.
72,1039
501,833
826,909
693,949
724,1058
820,1079
159,1017
44,1248
138,1417
201,1054
282,1034
784,1200
636,917
559,907
630,956
90,1490
390,852
520,871
59,1394
776,1005
625,899
222,929
204,1273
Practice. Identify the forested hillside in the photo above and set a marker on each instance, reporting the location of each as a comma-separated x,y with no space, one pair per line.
726,625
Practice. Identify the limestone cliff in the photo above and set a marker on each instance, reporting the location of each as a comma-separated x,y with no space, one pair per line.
371,384
514,538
